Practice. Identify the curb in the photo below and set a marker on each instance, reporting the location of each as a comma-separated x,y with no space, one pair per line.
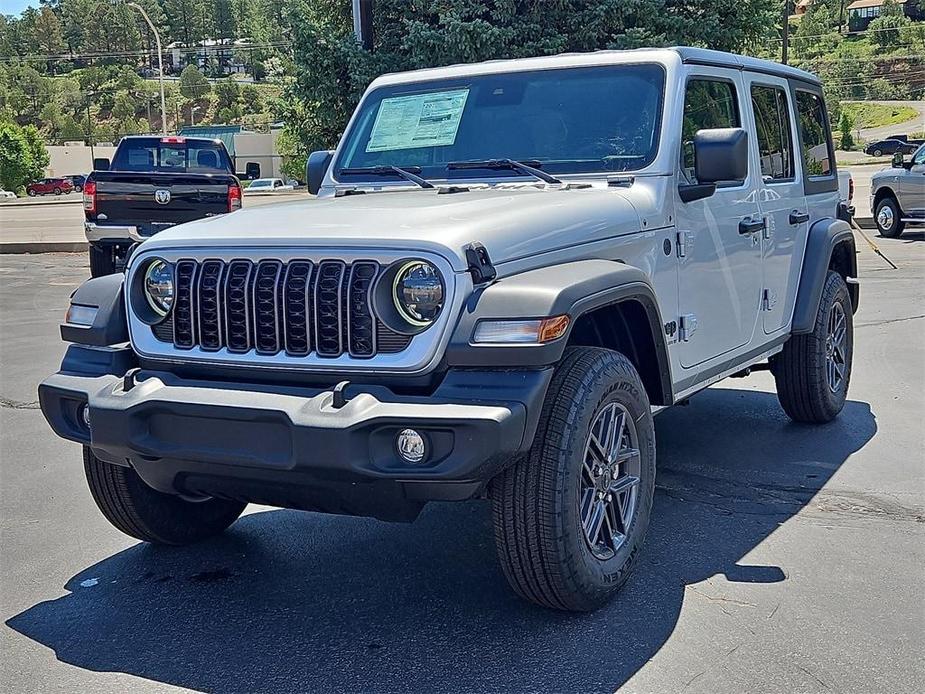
44,247
35,202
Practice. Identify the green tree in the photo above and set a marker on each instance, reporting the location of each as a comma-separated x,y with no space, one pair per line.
845,125
193,84
253,101
38,153
15,159
886,30
227,94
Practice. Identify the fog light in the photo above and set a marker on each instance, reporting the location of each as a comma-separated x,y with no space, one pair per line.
85,415
411,446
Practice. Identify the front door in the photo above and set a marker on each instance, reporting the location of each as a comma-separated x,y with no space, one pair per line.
912,187
781,202
719,258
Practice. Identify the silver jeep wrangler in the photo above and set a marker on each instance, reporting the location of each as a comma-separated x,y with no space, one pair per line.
508,270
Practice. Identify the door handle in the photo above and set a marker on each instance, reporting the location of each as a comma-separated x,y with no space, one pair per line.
750,226
797,217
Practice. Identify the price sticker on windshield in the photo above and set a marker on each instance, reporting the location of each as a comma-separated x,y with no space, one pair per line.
420,120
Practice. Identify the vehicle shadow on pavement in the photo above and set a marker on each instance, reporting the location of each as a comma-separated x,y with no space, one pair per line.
290,601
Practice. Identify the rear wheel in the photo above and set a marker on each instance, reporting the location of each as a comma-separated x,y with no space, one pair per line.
878,153
102,261
571,516
888,216
812,372
152,516
57,191
32,192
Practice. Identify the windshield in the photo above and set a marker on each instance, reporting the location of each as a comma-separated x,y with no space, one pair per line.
575,120
261,183
155,154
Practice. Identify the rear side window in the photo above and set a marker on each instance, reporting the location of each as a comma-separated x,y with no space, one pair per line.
772,125
150,154
813,138
708,103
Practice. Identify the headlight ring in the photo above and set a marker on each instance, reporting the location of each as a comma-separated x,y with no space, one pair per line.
158,286
418,293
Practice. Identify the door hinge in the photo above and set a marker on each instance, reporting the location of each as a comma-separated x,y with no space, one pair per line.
687,325
766,232
683,242
768,300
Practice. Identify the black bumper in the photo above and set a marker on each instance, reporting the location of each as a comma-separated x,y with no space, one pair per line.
290,446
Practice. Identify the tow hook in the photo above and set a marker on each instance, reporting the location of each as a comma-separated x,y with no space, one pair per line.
340,399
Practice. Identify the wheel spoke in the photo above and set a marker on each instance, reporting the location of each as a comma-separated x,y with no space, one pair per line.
627,454
596,521
597,450
617,426
624,484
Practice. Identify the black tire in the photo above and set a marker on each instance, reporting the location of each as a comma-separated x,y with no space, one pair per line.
57,191
539,536
800,370
102,262
877,153
32,193
78,188
896,226
152,516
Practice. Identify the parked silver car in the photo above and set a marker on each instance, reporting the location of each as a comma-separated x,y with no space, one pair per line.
897,194
508,270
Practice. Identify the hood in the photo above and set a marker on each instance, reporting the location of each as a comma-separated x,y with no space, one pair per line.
511,223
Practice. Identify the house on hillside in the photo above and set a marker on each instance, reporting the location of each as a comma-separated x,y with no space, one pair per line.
862,12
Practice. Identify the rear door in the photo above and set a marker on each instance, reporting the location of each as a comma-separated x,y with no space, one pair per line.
719,261
781,202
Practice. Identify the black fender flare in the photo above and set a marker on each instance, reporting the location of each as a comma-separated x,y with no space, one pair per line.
824,236
572,289
110,326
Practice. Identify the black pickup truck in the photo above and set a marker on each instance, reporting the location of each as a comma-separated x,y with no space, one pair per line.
153,183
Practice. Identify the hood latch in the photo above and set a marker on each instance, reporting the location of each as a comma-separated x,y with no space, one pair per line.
480,266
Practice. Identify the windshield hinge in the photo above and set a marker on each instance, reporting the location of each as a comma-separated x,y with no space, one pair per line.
480,264
620,181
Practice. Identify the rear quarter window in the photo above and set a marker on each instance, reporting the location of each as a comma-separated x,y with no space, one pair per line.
814,139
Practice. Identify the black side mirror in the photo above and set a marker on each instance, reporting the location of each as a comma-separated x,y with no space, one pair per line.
316,168
101,164
898,160
720,154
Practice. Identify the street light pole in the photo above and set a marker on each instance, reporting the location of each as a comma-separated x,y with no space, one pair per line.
160,62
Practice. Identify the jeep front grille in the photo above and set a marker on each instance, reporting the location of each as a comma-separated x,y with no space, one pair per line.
299,307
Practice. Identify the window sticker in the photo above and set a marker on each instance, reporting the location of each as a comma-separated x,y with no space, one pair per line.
420,120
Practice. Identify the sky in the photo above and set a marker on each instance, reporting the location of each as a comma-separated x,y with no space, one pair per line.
14,7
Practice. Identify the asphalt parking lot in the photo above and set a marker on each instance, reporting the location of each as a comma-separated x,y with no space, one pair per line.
780,557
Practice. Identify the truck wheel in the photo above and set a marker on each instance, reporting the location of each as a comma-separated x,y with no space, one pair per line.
887,216
102,262
813,370
149,515
571,515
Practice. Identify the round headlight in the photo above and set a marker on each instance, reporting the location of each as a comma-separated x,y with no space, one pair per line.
159,286
418,292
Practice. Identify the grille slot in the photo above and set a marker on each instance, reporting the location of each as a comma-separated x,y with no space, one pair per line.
184,334
328,342
299,307
209,308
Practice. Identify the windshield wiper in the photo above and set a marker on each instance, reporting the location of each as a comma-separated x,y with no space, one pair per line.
407,174
518,166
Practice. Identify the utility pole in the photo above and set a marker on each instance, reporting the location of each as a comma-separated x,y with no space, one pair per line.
160,62
785,33
90,133
363,22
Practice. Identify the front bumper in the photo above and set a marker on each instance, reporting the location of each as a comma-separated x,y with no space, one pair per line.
290,446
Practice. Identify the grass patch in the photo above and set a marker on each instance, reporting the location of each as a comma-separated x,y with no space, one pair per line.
871,115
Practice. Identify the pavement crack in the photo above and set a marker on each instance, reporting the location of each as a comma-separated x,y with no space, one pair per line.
18,404
887,321
811,674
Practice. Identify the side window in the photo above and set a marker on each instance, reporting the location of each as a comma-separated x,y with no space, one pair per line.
708,103
772,125
813,140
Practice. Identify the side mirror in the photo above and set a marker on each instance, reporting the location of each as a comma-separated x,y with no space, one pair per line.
101,164
898,161
316,168
720,154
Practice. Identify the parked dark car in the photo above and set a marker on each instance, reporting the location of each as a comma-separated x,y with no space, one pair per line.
153,183
49,186
890,146
77,181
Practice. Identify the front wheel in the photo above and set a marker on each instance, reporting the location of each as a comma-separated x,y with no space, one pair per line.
32,193
878,153
57,191
888,217
812,372
570,517
152,516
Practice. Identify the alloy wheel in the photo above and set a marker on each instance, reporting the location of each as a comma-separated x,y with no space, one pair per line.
609,489
836,345
885,218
